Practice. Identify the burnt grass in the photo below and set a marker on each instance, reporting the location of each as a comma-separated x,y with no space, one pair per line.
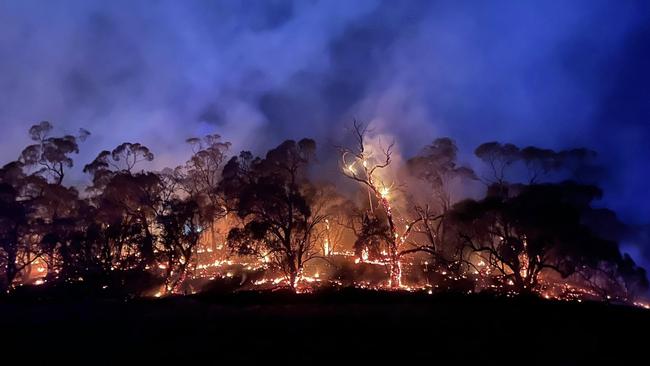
338,326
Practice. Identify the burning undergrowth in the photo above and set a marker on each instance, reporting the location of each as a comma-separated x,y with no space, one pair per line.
223,224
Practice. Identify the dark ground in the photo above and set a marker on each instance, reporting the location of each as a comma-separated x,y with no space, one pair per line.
341,326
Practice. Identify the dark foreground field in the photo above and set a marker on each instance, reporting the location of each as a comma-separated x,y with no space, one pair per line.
342,326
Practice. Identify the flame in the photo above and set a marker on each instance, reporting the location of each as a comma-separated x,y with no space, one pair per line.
364,254
326,247
384,192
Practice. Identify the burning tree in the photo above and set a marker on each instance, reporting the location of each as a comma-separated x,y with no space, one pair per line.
181,226
361,166
138,229
129,203
38,211
58,225
538,231
279,206
14,224
191,203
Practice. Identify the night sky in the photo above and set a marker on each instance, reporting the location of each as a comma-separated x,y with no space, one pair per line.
555,74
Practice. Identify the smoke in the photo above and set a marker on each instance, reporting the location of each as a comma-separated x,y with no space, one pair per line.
553,74
156,74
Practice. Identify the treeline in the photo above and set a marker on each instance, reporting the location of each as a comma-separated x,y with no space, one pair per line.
133,228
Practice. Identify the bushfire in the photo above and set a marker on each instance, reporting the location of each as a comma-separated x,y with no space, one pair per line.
385,222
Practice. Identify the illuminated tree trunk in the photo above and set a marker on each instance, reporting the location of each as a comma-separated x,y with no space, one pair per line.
295,271
393,248
293,279
395,272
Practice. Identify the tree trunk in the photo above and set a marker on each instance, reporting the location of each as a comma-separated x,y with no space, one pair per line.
393,248
147,248
294,273
12,270
395,272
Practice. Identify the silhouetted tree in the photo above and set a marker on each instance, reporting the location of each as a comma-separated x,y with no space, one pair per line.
436,165
120,160
19,211
135,202
56,221
498,157
13,219
538,163
129,204
278,204
181,226
540,229
201,175
50,155
203,170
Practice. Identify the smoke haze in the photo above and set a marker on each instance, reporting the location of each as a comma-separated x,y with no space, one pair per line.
554,74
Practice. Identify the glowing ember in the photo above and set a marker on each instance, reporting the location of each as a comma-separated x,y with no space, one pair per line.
384,192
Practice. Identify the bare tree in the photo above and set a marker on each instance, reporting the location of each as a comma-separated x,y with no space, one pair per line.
360,166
